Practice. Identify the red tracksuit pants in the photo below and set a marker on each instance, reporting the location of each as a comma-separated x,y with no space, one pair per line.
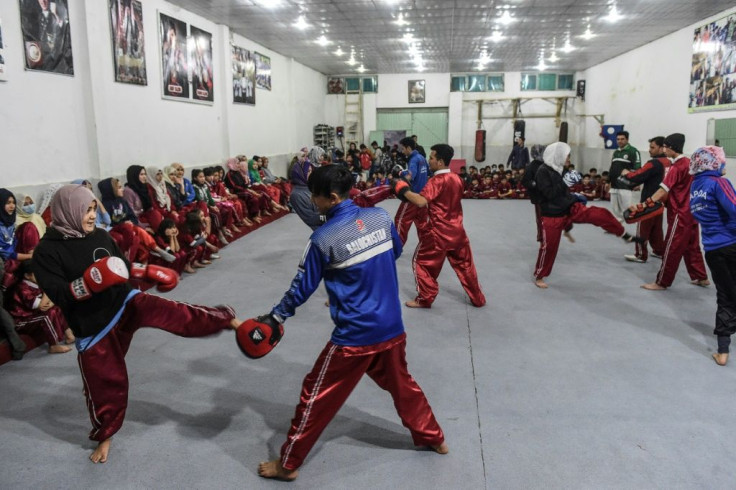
650,230
333,377
51,322
405,216
104,373
552,228
427,264
682,242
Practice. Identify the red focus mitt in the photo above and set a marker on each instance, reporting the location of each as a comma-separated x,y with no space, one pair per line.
400,187
644,210
258,336
103,274
165,279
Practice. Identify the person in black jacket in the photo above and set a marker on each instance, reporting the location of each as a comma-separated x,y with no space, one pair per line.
529,182
560,208
649,177
81,269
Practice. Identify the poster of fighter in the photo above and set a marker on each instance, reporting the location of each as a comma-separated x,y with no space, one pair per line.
128,46
47,40
173,36
2,55
713,67
244,76
200,62
263,71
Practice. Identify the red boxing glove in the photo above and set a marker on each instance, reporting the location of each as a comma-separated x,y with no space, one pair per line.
165,279
400,187
103,274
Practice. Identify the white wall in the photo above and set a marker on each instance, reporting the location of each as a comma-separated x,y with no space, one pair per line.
55,128
646,90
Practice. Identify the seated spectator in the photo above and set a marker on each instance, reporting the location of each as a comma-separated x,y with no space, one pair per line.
33,310
8,239
521,192
489,188
159,194
26,212
238,181
44,208
257,183
220,222
221,194
587,188
473,189
194,236
269,178
380,179
138,198
167,238
604,187
504,189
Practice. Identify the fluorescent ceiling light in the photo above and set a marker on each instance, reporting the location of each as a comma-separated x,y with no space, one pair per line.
613,15
269,4
497,36
541,66
301,23
588,34
361,69
505,18
408,38
339,51
400,20
567,48
323,41
554,57
351,61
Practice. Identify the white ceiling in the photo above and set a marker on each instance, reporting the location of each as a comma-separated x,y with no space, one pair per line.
452,34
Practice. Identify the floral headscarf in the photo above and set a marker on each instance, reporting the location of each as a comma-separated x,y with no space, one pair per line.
707,158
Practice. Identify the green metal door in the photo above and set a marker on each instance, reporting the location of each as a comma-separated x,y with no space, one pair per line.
430,125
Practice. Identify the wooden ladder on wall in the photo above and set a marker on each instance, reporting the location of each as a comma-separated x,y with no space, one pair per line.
353,117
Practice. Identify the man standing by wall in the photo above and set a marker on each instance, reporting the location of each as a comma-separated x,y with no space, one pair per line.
417,175
519,157
625,157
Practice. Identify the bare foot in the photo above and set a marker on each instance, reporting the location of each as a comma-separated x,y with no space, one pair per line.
721,359
198,265
441,449
570,238
69,337
257,219
99,455
59,349
327,303
540,283
653,286
188,268
273,469
703,283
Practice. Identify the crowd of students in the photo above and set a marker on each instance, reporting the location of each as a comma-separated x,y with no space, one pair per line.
157,216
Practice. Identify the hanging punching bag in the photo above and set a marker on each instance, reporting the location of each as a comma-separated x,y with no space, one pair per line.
480,145
519,129
563,132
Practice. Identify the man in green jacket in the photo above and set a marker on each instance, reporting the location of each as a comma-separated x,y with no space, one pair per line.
625,157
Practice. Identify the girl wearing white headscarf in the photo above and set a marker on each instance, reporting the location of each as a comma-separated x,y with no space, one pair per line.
104,323
560,208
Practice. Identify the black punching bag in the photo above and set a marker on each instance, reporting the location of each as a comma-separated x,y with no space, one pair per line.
563,132
480,145
519,128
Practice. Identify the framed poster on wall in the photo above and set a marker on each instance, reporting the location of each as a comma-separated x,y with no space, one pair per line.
174,69
128,41
47,41
244,76
200,62
335,85
263,71
2,55
713,66
416,91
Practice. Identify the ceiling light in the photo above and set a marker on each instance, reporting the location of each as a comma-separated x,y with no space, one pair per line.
269,4
588,34
613,15
408,38
553,58
496,36
361,69
541,66
505,18
400,20
351,61
339,51
484,58
301,23
323,41
568,48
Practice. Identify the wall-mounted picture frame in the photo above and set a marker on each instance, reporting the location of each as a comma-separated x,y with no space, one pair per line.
416,91
128,42
244,76
174,67
713,67
200,63
335,85
263,71
47,40
3,76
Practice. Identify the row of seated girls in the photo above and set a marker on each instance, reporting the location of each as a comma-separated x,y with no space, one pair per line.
158,216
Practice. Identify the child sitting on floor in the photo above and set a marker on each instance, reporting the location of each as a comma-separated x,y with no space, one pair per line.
33,310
